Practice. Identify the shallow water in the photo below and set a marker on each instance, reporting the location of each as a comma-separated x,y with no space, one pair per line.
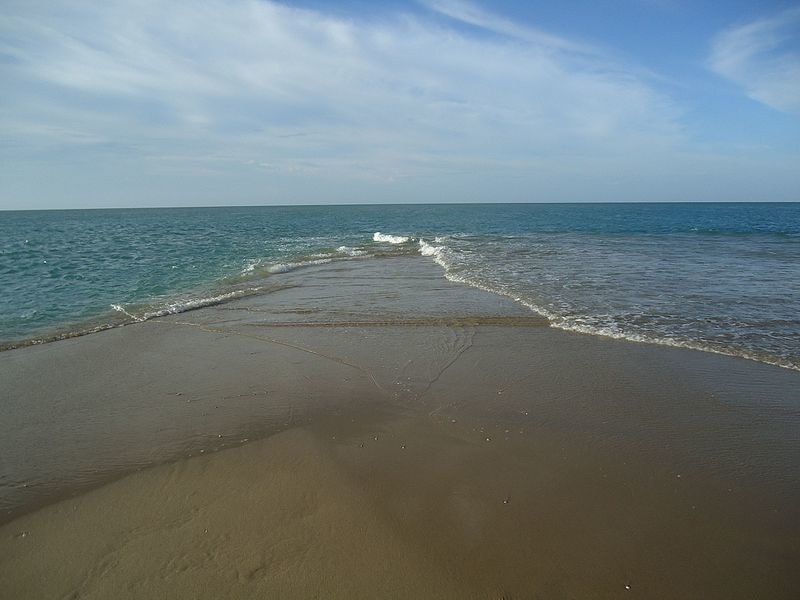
718,277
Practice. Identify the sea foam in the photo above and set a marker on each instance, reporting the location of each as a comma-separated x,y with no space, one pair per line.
180,306
347,250
391,239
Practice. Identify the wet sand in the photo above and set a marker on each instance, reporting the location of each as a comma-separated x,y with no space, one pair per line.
371,430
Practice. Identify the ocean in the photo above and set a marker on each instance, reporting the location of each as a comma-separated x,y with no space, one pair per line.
718,277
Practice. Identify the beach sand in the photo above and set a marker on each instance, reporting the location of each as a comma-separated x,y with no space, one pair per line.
371,430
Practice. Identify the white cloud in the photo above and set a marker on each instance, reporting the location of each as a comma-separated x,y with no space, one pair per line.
248,70
473,14
253,101
762,57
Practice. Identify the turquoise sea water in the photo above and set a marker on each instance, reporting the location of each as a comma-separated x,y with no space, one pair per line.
718,277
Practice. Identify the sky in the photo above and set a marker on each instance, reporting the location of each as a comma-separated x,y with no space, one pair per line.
254,102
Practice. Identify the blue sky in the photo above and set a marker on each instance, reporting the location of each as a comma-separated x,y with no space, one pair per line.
232,102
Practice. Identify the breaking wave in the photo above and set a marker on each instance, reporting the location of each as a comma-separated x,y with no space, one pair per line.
389,239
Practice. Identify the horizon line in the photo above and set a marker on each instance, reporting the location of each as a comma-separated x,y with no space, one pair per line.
218,206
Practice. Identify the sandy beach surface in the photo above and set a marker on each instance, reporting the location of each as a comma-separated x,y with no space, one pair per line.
370,430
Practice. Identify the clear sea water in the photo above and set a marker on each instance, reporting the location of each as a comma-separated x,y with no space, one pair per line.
717,277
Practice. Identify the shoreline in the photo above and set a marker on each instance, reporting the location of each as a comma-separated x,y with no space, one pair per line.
211,294
413,419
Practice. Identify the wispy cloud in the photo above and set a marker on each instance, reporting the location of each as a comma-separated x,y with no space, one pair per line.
473,14
762,57
250,72
263,95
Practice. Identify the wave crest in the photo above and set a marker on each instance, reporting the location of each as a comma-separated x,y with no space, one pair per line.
388,238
